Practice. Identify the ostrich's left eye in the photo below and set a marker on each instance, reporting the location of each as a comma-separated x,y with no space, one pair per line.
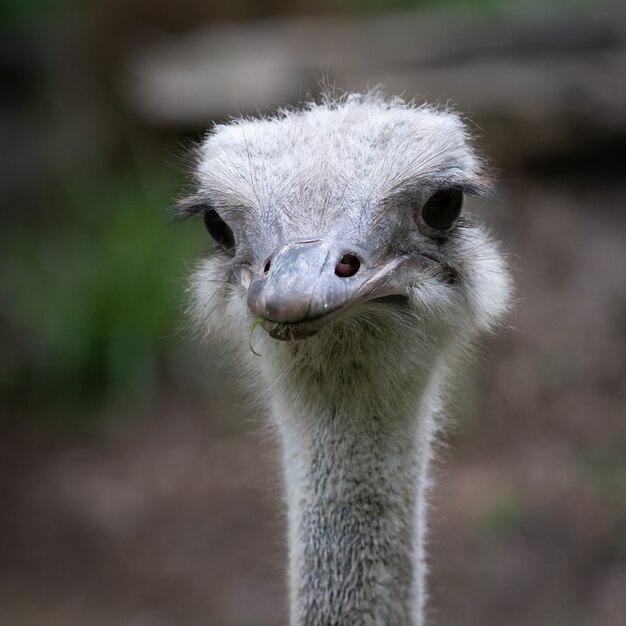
219,229
443,208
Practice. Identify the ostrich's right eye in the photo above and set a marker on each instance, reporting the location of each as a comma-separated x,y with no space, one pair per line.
219,229
442,209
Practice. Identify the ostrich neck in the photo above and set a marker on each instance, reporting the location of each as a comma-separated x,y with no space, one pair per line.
356,473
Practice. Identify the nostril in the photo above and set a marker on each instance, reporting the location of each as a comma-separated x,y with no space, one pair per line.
267,266
348,266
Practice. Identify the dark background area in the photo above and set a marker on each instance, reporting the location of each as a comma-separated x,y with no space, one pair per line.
137,486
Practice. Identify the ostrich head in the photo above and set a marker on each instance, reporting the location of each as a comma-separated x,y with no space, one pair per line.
345,210
339,228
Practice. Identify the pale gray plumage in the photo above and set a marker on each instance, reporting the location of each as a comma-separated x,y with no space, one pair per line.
357,403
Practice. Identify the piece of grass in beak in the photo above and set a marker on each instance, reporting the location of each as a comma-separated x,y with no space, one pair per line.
256,322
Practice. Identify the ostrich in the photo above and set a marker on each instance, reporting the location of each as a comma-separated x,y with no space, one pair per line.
339,231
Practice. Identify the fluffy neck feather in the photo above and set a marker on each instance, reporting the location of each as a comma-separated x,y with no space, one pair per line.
357,441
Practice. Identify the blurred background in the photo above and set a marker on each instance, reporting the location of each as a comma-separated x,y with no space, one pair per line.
137,487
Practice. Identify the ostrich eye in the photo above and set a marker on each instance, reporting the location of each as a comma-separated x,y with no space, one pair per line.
443,208
219,229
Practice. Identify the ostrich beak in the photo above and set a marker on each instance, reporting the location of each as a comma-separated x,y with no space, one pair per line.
308,283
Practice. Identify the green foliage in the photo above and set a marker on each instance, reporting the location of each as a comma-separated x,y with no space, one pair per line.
502,515
95,292
23,15
605,468
475,6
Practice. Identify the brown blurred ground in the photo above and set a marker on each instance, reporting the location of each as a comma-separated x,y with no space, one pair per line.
167,512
